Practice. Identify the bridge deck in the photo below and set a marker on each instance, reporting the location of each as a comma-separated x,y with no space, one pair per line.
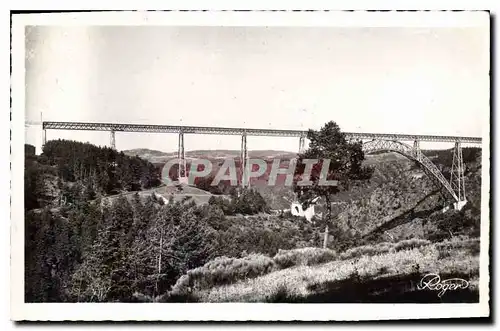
239,131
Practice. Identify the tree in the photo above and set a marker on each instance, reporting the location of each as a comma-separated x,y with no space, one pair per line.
105,273
342,160
249,202
31,186
104,169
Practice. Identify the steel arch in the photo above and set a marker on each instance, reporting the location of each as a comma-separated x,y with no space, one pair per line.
413,153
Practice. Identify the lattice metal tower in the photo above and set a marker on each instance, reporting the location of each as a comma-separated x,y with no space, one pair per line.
302,140
44,137
181,156
112,140
416,150
244,161
457,177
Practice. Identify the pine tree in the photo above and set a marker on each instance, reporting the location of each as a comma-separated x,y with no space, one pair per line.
345,157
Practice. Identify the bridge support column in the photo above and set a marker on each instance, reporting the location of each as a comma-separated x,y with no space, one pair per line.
457,177
44,137
244,161
181,156
417,152
112,139
301,144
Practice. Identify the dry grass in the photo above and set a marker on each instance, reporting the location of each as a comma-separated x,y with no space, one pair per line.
224,270
301,283
303,256
381,248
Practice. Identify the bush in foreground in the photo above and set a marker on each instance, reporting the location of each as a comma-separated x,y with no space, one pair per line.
410,244
382,248
366,250
338,273
303,256
223,270
390,277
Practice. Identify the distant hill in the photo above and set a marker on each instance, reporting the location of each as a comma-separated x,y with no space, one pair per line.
156,156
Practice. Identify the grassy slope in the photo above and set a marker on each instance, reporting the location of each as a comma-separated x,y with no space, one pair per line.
388,277
197,195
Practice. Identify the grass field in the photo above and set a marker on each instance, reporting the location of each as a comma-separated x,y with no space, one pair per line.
197,195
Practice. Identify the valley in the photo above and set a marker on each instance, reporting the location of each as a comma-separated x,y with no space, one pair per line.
90,220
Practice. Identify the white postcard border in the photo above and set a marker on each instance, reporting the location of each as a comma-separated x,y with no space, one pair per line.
225,311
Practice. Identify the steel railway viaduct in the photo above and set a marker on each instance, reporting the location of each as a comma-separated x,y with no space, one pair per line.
405,144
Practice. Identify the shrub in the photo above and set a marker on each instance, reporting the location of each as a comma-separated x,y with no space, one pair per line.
303,256
248,202
281,294
452,223
179,297
382,248
223,270
264,235
410,244
140,297
367,250
447,246
465,243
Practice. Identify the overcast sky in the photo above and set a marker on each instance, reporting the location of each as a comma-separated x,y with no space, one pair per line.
403,80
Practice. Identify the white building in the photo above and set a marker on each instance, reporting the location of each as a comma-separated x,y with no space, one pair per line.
297,210
161,197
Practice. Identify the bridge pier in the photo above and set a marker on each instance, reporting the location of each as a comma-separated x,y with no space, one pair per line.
457,176
302,140
181,157
244,161
112,140
44,137
416,150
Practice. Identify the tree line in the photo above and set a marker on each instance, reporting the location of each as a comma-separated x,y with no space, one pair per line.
117,249
68,168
